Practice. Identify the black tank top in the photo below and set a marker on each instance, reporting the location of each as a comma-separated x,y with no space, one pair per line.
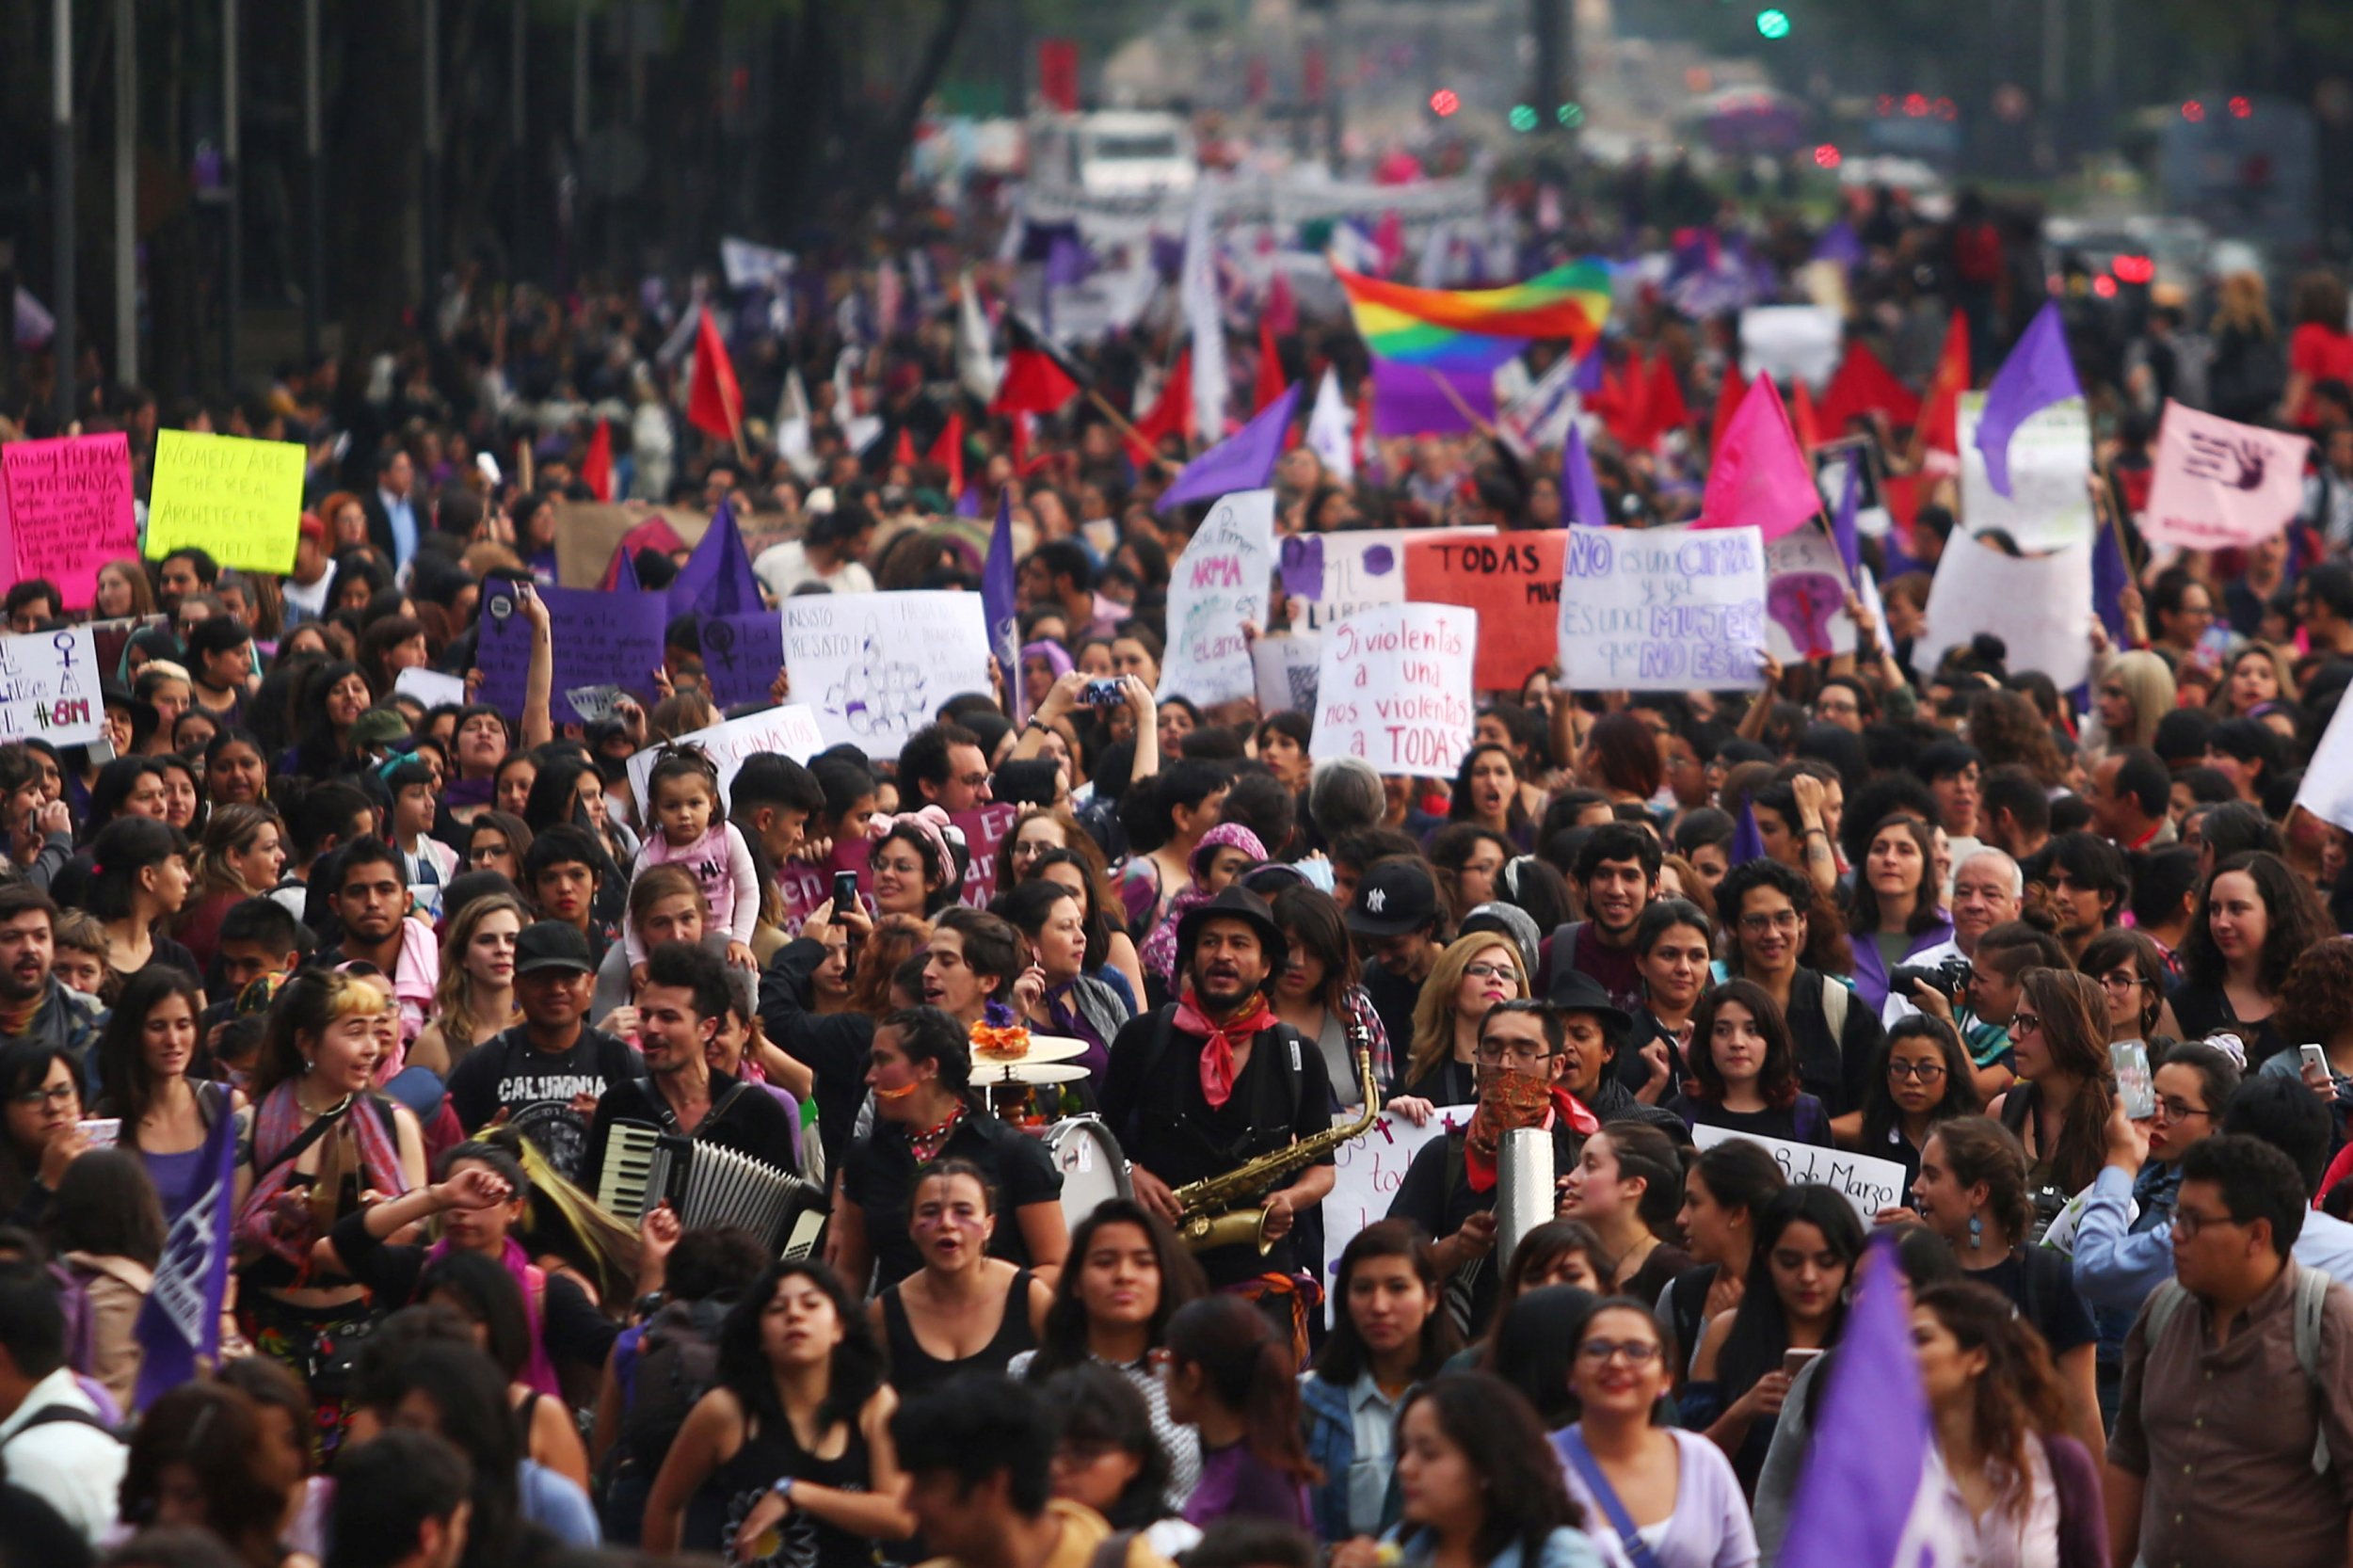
913,1369
802,1541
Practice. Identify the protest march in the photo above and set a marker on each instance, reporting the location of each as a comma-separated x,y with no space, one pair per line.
1491,865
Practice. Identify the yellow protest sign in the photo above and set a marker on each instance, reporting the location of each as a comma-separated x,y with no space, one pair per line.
239,501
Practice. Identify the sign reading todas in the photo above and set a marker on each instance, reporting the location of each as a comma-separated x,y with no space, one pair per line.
1512,580
1662,609
66,506
1394,688
238,501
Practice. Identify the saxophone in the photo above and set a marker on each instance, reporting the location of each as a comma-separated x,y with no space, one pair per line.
1210,1217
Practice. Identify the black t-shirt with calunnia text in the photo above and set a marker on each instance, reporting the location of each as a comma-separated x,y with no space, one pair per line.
536,1089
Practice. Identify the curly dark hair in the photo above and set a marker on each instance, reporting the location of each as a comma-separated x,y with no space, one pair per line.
1826,945
1777,1080
1881,1115
743,1369
2318,996
2017,1398
2298,922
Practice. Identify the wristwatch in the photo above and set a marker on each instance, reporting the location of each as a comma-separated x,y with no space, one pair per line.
783,1488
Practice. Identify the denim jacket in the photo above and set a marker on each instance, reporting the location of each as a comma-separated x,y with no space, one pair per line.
1328,1415
1566,1548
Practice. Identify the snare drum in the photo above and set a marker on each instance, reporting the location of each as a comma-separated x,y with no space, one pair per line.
1092,1167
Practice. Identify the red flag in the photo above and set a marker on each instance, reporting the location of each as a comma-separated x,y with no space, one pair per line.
1271,384
1039,378
1802,418
1664,409
595,468
1940,421
1171,415
902,455
1623,405
713,403
1865,385
948,452
1729,392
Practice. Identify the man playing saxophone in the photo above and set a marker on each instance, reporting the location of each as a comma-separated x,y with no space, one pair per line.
1212,1083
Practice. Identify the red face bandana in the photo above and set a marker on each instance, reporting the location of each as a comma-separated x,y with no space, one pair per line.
1509,1099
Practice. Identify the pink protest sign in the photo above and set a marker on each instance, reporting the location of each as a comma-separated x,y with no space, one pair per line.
69,510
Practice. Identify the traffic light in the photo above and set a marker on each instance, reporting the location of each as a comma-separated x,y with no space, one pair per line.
1569,115
1523,116
1443,102
1773,23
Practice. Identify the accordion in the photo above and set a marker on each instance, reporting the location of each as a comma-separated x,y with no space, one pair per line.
708,1185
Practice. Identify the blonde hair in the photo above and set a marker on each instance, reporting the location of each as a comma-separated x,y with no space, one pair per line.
79,929
2244,304
1434,1013
2148,681
310,1003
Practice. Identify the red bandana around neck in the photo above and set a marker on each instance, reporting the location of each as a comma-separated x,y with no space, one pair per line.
1217,1054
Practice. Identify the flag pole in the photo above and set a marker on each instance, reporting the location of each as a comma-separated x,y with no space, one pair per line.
735,428
1460,407
1119,421
2104,502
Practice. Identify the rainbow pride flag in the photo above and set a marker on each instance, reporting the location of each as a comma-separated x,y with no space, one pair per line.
1462,330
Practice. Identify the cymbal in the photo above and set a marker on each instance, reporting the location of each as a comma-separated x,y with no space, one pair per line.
1003,1073
1042,1047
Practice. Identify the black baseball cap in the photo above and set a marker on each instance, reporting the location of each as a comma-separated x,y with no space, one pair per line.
552,945
1393,898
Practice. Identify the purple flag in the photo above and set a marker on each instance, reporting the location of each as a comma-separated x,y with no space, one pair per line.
1579,490
1242,461
1842,521
1747,842
1302,566
999,605
1409,400
1589,378
1840,243
180,1317
625,571
1868,1498
717,578
2109,580
2039,373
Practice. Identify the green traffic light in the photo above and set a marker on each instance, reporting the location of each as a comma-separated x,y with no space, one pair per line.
1773,23
1571,115
1523,116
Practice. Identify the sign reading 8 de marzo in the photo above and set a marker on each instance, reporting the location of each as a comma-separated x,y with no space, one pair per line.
1662,609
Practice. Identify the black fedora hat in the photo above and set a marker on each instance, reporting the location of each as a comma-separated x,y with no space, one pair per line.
1237,902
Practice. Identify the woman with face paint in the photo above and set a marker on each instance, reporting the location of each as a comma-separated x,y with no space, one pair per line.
963,1311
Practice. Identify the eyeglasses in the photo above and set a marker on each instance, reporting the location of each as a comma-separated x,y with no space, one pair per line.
1516,1056
2172,1110
56,1094
480,853
1490,971
1779,920
2023,1022
1637,1352
2187,1222
973,780
2123,979
1927,1072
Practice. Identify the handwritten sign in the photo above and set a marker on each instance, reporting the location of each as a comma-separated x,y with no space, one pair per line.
67,505
49,688
1868,1182
601,640
430,687
1662,609
1394,688
2049,506
1326,576
877,666
239,501
1216,585
1286,669
788,732
1805,597
1365,1173
742,654
2038,605
1512,580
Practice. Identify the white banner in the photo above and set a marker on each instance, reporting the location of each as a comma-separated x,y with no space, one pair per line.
1805,597
1790,343
1326,576
2326,792
49,688
876,666
2038,605
788,731
1216,585
1662,609
2049,506
1365,1173
431,687
1868,1182
1394,688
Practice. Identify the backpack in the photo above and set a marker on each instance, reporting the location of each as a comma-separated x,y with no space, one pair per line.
678,1363
2312,1300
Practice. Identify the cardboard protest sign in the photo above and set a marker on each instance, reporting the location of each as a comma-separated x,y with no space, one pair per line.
238,501
1394,688
1368,1171
1286,669
1216,585
1805,597
601,640
2220,484
1662,609
2038,605
877,666
49,688
1325,576
742,654
587,533
1512,580
788,732
1868,1182
1790,343
66,507
2049,506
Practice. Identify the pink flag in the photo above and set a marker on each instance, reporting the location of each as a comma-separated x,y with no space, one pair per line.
1759,475
2220,484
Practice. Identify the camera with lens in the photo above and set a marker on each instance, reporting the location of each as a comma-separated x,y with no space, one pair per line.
1948,979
